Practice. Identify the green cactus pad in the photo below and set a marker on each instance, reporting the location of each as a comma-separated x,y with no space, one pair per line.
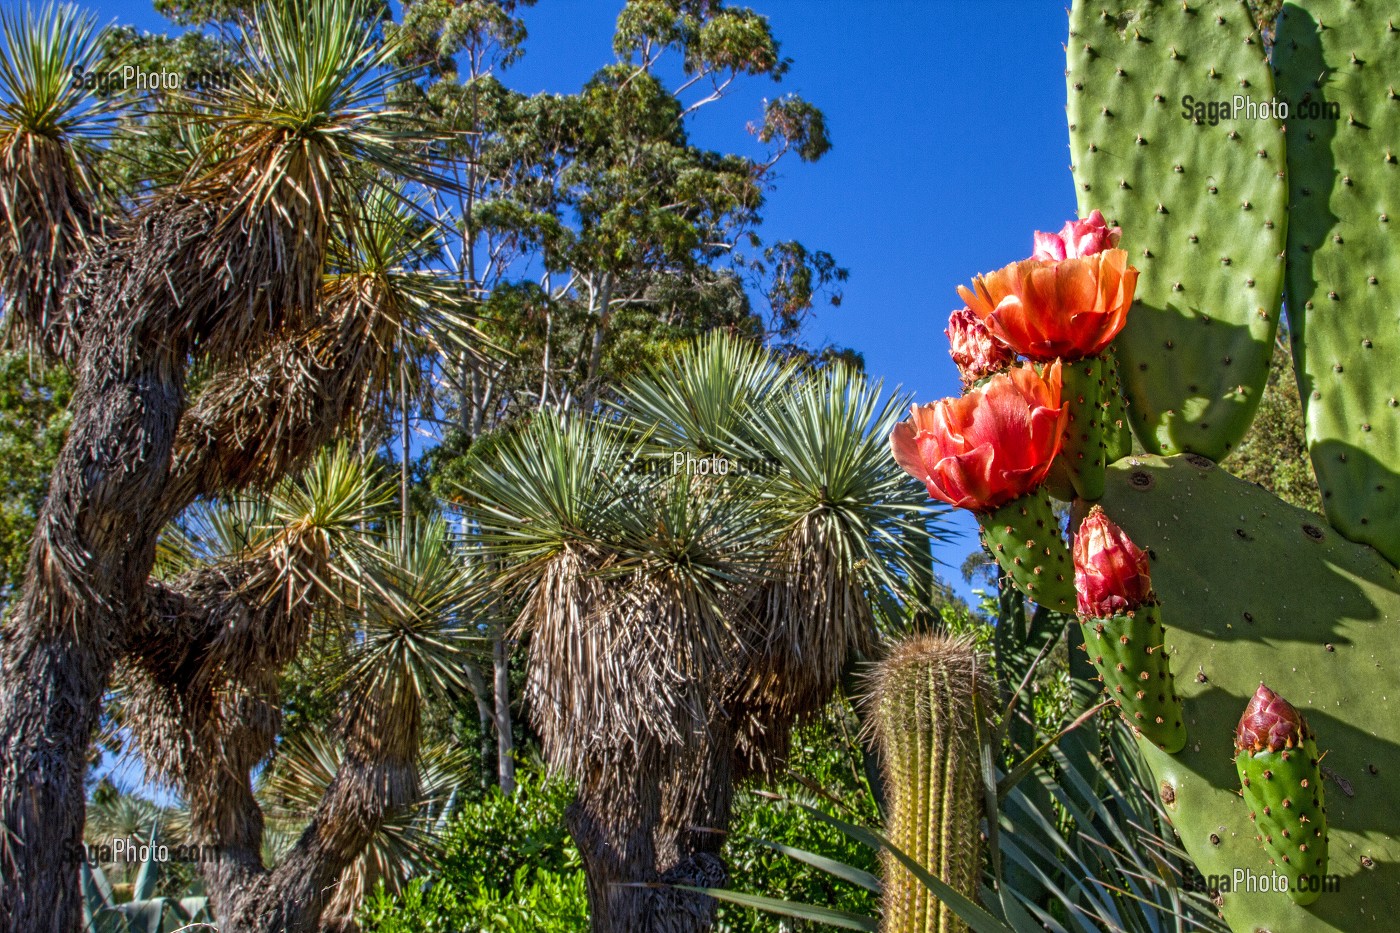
1344,254
1118,436
1261,591
1025,538
1083,392
1127,652
1202,208
1286,798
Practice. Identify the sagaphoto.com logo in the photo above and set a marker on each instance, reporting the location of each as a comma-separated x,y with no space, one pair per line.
130,78
1244,107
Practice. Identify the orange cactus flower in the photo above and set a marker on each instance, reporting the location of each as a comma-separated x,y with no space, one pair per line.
1044,309
990,446
1111,573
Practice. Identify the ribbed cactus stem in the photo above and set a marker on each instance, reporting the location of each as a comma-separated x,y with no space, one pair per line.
932,697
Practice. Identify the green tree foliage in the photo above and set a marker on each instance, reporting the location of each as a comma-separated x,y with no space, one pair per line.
33,418
1274,453
509,865
594,231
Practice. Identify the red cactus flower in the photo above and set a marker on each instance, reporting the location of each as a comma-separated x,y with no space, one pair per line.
975,351
1078,238
1270,724
992,445
1044,309
1111,573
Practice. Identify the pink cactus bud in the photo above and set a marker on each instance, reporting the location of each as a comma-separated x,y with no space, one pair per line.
1078,238
1270,724
975,350
1111,573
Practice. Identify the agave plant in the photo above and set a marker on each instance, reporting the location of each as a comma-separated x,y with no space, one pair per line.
681,618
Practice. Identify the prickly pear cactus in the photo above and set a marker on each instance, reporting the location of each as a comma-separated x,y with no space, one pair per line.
932,698
1262,591
1127,651
1344,253
1202,208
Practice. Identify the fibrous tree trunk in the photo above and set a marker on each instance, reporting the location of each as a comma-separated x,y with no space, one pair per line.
203,664
611,823
93,548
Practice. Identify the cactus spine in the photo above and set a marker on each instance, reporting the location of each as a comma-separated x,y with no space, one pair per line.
932,700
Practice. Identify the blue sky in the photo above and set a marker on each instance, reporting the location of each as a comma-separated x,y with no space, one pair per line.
950,148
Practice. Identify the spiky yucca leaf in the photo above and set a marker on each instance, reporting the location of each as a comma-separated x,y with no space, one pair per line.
412,635
701,398
48,124
301,127
381,312
852,536
548,489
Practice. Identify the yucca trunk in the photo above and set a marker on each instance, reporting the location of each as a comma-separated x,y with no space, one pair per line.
611,823
94,545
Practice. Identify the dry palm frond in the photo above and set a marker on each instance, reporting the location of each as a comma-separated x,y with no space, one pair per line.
47,123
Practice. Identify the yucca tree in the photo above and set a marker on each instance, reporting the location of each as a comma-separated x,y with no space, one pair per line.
680,622
260,580
48,131
210,272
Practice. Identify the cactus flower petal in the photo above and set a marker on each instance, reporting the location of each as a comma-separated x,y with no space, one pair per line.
1044,309
1111,573
992,445
1078,238
975,351
1270,723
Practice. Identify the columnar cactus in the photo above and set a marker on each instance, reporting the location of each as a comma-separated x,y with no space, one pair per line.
932,701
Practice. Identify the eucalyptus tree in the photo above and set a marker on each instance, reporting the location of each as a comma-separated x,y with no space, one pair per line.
682,617
594,229
178,314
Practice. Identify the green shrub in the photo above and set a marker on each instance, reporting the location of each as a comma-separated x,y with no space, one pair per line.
509,865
